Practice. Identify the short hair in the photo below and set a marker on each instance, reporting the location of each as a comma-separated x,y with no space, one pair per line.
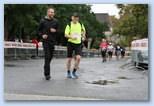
50,8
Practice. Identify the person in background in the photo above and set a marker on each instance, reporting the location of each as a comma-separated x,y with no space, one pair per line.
36,42
122,52
110,50
103,48
117,51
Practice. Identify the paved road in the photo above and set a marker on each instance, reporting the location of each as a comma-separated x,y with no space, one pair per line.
114,80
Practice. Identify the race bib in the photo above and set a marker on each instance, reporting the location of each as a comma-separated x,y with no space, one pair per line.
76,35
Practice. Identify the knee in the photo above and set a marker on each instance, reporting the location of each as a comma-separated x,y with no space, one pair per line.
78,57
69,60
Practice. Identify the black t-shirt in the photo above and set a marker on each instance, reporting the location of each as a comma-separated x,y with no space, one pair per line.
118,48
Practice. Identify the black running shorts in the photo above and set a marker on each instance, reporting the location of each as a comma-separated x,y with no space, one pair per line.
71,47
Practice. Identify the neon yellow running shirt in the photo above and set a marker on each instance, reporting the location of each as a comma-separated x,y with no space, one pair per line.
75,30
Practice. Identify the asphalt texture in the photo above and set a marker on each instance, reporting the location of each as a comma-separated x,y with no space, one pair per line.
112,80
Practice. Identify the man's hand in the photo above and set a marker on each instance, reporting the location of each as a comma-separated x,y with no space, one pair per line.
83,38
44,36
52,30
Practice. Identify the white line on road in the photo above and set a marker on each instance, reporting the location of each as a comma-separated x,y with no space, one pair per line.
41,97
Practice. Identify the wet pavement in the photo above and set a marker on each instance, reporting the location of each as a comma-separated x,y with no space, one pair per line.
113,80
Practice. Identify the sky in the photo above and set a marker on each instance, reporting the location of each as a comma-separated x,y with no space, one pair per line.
111,9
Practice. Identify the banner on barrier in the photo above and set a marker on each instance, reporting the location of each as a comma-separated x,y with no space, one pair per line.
19,45
8,44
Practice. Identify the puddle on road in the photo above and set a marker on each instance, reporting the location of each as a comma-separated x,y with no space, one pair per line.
12,65
103,82
9,65
123,77
108,82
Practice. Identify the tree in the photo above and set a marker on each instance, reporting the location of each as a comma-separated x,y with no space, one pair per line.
22,20
133,22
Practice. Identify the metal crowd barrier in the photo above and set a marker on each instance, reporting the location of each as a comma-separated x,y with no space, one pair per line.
17,50
28,50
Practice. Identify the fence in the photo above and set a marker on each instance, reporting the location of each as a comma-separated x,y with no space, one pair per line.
19,50
28,50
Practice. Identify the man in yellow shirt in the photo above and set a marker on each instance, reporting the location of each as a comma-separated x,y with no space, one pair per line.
75,32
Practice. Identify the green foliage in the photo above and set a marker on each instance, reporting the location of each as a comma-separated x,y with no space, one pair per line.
96,43
22,20
133,22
